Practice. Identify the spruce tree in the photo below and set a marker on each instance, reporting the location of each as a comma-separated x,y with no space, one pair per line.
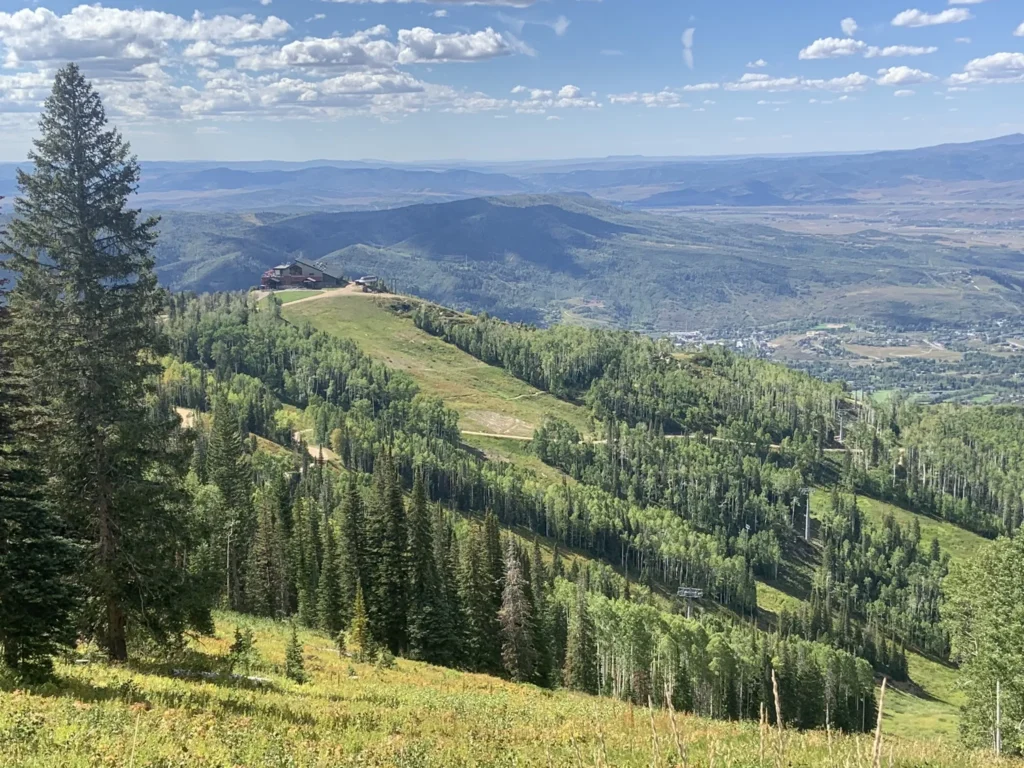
518,655
265,593
304,563
227,468
428,633
351,558
328,592
84,319
543,624
474,597
36,561
580,672
294,665
360,637
388,556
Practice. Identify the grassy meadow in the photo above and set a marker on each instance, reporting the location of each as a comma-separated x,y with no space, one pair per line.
489,400
188,712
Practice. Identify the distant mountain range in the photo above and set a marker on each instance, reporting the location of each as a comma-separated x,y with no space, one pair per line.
543,258
975,171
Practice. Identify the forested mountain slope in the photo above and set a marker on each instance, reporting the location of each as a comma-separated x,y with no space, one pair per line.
544,259
930,701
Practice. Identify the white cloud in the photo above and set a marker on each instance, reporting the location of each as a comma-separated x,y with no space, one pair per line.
508,3
364,49
316,17
106,40
1019,32
440,13
688,46
539,100
849,26
553,117
421,44
892,51
904,92
903,76
701,87
831,47
560,25
759,64
965,40
664,98
756,81
916,18
743,119
997,68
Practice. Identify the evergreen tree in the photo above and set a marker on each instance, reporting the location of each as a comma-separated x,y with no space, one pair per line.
294,665
482,653
36,561
351,558
328,591
518,655
265,591
360,637
84,317
580,672
228,470
428,634
305,567
387,552
543,621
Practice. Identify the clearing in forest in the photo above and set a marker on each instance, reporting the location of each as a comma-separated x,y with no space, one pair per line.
489,400
192,711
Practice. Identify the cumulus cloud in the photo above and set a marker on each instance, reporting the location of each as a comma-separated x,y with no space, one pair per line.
512,3
440,13
893,51
366,49
916,18
421,44
688,46
831,47
111,39
540,100
665,98
1019,32
756,81
997,68
849,26
903,76
759,64
701,87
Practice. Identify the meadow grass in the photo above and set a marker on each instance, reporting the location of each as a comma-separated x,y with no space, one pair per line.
488,399
958,542
148,714
286,297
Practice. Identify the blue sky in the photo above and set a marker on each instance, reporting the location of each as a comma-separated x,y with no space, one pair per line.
519,79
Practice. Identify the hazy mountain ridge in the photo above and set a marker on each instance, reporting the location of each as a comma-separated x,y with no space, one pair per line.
993,167
543,258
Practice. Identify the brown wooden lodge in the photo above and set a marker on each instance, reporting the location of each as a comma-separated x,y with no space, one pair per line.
299,274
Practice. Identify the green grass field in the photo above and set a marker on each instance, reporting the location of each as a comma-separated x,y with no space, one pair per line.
287,297
958,542
488,399
189,712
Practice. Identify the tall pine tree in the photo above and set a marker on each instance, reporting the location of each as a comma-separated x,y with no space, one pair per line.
427,627
36,561
580,673
518,655
351,558
329,616
84,316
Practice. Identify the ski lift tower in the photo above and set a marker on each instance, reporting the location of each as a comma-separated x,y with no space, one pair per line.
691,594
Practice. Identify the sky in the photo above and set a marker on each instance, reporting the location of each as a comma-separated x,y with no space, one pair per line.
495,80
